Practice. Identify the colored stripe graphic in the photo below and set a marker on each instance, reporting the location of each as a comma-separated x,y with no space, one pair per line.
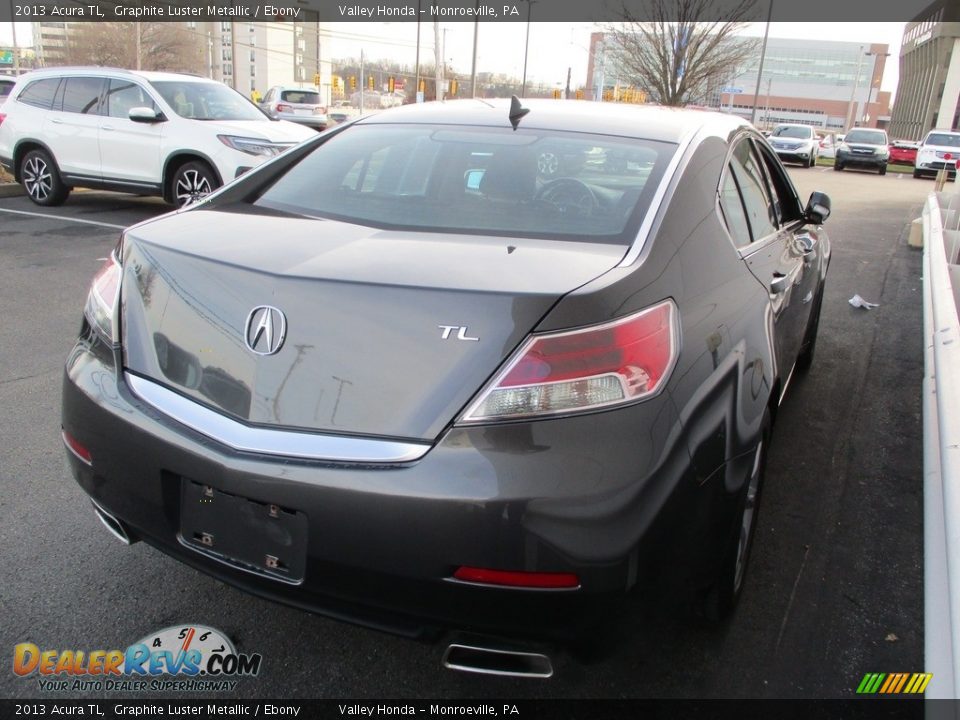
894,683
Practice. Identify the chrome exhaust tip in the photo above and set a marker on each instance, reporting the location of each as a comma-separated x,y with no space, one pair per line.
493,661
114,526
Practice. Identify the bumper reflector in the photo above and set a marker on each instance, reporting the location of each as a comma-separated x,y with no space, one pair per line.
74,446
517,579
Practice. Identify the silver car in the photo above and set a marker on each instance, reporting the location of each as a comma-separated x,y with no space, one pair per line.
299,105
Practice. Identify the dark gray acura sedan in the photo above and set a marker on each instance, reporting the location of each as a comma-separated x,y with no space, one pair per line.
401,376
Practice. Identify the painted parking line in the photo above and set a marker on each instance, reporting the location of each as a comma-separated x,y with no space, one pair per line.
61,217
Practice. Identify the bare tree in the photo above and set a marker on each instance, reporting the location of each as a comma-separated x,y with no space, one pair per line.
675,55
163,46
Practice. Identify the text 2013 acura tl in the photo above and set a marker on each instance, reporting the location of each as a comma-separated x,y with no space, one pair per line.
400,376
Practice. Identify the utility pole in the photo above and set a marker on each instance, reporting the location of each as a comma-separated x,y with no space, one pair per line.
526,50
363,83
473,66
16,48
137,26
438,93
566,94
416,88
766,111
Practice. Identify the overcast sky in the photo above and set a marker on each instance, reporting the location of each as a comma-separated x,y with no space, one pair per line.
553,48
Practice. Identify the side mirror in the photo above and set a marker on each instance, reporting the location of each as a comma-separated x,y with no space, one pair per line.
145,115
818,208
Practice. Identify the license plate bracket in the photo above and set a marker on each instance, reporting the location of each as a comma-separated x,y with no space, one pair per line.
264,538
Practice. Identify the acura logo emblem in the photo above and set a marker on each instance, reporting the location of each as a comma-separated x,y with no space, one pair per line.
266,330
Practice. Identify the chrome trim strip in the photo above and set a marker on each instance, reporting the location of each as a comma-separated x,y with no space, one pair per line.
656,202
268,441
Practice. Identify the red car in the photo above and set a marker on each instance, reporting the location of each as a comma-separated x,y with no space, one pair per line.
903,152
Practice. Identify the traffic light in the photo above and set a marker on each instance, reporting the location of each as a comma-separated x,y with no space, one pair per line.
556,94
316,79
453,86
391,84
370,82
423,86
336,83
353,82
579,94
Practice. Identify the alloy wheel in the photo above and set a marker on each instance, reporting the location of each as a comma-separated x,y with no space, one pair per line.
191,186
37,178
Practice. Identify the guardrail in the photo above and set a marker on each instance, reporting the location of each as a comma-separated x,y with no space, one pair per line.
941,441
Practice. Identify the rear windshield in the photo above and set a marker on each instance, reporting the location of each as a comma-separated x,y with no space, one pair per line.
948,140
477,180
867,137
300,96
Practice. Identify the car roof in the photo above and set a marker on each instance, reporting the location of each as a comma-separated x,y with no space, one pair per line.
113,72
943,132
652,122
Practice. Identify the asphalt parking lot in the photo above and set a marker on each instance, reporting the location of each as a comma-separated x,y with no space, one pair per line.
835,585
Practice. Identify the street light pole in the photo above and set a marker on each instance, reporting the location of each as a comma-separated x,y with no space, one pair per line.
856,83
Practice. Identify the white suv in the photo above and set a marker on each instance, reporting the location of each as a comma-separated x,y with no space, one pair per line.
168,134
795,144
939,150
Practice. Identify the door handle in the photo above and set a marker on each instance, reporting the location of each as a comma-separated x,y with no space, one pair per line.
779,284
56,121
106,127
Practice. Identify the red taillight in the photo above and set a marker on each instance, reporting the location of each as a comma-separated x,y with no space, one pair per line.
3,117
513,578
947,156
610,364
74,446
284,108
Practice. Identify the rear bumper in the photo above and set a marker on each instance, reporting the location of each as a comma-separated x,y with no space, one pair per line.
932,168
383,542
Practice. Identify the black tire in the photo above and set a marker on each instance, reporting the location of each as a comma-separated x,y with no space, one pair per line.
191,182
809,347
917,175
41,179
813,161
723,595
883,170
837,166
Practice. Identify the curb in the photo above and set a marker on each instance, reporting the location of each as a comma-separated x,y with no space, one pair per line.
10,190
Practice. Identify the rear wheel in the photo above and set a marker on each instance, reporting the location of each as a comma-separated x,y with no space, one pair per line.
191,182
837,166
883,169
723,595
41,179
813,161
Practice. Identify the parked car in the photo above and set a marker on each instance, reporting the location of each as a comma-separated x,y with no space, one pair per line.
167,134
298,105
938,151
864,148
795,144
544,394
903,152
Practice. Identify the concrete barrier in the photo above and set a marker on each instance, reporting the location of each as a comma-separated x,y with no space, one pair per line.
941,440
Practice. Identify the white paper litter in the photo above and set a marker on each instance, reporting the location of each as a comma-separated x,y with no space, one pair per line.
859,302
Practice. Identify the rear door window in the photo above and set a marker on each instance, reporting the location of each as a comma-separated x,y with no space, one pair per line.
82,95
40,93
